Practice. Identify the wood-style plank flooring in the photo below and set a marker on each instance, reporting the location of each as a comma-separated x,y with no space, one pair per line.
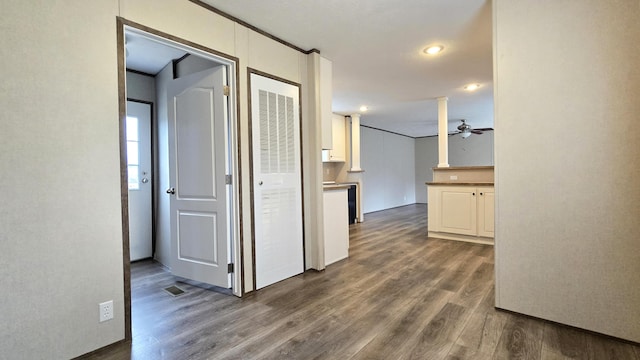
400,295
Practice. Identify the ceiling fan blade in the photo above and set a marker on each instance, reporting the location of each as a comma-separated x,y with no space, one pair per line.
484,129
476,131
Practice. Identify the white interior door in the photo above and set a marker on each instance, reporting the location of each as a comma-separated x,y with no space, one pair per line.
138,127
197,167
277,187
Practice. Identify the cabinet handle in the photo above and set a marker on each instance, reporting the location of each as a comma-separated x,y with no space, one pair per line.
474,194
481,194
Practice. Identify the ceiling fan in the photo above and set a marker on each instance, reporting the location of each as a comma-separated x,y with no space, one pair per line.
465,130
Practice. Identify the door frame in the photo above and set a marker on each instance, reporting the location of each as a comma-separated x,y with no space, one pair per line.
251,174
235,212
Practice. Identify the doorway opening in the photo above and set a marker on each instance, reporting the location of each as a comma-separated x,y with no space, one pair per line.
164,60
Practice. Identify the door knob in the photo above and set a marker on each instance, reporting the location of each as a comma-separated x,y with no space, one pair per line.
145,180
260,183
171,191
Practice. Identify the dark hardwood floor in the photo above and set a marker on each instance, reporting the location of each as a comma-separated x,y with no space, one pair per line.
400,295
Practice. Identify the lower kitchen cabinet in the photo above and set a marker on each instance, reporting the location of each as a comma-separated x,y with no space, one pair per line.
461,212
486,205
336,224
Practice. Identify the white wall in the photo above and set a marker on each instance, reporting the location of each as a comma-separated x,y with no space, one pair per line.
388,161
193,64
60,228
476,150
426,159
141,87
60,222
568,162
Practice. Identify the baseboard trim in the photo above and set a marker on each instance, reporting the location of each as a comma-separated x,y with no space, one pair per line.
465,238
105,349
630,342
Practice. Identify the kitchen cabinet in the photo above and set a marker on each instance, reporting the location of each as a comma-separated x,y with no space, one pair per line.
486,219
461,212
325,73
336,223
339,137
456,210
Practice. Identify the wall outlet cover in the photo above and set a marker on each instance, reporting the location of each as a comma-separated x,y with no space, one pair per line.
106,310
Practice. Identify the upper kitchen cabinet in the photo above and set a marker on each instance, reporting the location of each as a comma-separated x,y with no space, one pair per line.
326,95
339,138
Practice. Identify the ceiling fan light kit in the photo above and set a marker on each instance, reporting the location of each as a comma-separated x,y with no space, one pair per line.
465,130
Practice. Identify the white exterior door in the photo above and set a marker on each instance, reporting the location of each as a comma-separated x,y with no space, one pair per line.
197,166
277,186
138,127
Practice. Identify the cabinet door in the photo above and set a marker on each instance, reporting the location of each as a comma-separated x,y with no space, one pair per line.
457,210
486,201
325,69
338,130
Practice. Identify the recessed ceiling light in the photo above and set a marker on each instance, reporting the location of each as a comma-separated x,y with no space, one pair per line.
432,50
363,108
472,87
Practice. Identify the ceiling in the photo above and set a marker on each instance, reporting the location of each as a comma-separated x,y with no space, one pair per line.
376,47
148,56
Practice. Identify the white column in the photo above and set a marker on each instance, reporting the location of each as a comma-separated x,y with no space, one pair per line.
443,136
355,142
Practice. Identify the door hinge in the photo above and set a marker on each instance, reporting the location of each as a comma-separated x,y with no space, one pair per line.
226,90
230,268
227,179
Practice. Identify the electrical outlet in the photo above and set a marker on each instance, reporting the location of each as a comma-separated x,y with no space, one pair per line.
106,310
453,177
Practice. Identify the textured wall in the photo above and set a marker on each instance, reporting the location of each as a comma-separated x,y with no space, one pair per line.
568,162
60,223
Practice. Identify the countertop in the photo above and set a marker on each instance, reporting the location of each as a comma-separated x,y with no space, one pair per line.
457,168
460,183
336,186
332,185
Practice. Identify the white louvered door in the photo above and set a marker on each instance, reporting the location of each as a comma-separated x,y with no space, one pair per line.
277,185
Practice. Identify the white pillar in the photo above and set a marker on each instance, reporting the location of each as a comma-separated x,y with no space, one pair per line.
443,136
355,142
